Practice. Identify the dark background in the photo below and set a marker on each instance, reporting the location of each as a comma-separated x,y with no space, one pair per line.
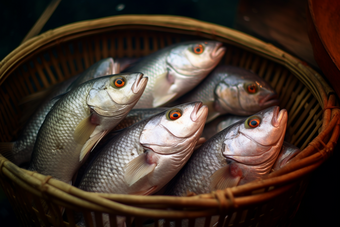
280,22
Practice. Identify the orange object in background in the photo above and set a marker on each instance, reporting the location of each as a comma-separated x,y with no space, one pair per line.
324,34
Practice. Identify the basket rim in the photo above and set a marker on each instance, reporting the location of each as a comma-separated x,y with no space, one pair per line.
315,82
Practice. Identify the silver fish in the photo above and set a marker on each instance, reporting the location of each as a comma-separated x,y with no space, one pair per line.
288,151
243,152
175,70
80,119
220,123
136,115
233,90
20,151
145,156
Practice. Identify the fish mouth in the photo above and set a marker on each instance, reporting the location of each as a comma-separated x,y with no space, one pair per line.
218,51
279,116
198,111
140,83
269,100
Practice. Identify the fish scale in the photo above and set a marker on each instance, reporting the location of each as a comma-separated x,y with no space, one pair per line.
50,144
237,155
23,146
156,65
188,177
204,91
111,161
224,91
175,70
137,115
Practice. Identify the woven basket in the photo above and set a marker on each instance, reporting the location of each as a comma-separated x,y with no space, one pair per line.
58,54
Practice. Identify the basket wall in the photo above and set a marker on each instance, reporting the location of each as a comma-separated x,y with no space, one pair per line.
307,98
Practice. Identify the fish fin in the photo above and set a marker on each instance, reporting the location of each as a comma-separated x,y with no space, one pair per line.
225,177
58,96
199,143
116,68
146,192
201,140
29,104
161,88
125,63
37,96
212,116
83,131
6,150
138,168
91,144
190,193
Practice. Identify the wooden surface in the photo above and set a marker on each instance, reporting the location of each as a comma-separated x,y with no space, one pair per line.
281,22
324,34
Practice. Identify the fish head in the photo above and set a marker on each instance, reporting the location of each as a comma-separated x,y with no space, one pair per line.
192,61
194,57
266,127
176,130
243,93
116,94
256,142
169,140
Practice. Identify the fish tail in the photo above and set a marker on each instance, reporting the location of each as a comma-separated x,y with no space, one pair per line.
6,150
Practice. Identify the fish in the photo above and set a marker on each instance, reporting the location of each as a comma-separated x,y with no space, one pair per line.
137,115
218,124
287,153
80,119
20,151
243,152
146,155
176,69
233,90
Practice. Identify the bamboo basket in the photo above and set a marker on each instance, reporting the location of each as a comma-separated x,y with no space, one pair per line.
58,54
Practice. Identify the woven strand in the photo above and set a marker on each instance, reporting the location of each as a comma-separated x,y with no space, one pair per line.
225,199
2,163
231,197
43,188
331,107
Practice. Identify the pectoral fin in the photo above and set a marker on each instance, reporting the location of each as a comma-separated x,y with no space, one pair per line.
161,88
225,177
146,192
83,131
199,143
138,168
90,144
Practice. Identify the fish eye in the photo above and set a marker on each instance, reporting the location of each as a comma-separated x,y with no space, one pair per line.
251,88
252,122
174,114
198,49
118,82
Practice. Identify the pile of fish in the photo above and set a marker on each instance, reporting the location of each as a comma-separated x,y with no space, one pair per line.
131,126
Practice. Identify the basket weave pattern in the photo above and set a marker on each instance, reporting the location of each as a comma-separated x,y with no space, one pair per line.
56,55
